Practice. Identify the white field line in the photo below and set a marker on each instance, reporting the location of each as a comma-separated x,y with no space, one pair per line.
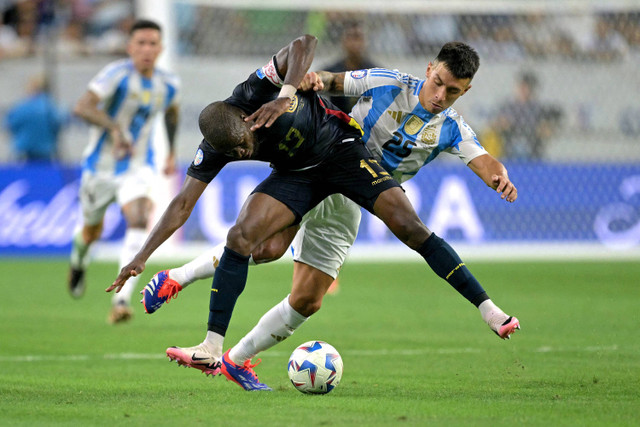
359,353
174,254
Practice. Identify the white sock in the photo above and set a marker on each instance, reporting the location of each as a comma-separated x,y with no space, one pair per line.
276,325
79,250
214,343
133,240
491,314
203,267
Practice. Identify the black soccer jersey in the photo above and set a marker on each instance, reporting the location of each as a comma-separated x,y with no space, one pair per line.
301,138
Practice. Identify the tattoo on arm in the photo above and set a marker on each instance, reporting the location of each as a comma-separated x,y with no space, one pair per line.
171,123
333,82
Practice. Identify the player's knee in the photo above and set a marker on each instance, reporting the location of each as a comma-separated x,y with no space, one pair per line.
91,234
239,241
410,231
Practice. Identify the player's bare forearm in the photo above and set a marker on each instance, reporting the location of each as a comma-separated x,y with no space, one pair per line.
171,118
295,59
173,218
87,109
495,175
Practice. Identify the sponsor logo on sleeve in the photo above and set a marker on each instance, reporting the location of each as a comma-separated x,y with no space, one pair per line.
358,74
271,73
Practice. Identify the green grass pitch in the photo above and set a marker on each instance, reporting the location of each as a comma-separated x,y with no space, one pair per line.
415,353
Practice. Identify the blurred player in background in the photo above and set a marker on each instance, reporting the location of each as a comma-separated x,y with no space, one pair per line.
121,103
421,126
354,49
524,123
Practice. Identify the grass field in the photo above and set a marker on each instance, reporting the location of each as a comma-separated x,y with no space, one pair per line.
415,353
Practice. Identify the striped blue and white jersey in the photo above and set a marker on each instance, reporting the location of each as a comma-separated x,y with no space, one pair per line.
398,131
134,102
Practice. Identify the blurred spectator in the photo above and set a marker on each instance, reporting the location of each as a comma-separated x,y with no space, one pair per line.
492,36
606,44
431,31
71,42
107,14
474,31
542,37
393,35
11,46
524,124
506,46
114,40
354,47
21,19
35,123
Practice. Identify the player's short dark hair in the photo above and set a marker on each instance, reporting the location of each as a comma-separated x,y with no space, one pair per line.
142,24
222,126
460,59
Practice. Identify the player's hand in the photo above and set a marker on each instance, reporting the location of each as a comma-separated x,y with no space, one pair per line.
268,113
170,165
311,81
130,270
122,146
503,185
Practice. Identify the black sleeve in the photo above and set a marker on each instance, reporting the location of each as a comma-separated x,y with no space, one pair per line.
207,163
254,92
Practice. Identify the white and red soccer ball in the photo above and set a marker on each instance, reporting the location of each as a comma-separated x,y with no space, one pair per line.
315,367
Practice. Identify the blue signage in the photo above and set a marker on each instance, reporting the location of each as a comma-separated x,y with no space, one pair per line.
39,207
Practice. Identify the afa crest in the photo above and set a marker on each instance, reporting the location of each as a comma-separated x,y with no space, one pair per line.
145,97
429,135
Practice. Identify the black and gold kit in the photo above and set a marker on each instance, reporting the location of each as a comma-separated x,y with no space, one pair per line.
314,149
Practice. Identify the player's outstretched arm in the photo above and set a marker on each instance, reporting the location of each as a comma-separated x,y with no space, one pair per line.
173,218
293,62
495,175
87,109
171,118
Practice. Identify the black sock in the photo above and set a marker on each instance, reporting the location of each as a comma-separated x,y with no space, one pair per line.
228,284
446,263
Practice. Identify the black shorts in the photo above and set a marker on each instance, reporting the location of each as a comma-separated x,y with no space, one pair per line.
349,170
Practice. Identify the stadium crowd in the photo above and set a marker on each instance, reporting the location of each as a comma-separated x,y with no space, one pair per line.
79,29
85,27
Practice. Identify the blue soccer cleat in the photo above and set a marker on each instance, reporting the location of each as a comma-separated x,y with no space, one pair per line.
243,375
158,291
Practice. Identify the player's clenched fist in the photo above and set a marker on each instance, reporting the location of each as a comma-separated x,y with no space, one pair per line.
311,81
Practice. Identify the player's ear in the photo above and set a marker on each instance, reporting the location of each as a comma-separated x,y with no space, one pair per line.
429,66
466,90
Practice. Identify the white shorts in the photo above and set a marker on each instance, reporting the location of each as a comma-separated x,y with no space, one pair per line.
326,234
97,191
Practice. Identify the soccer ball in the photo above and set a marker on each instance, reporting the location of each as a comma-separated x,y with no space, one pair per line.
315,367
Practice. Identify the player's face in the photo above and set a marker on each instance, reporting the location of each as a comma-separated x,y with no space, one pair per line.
441,89
246,148
144,47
